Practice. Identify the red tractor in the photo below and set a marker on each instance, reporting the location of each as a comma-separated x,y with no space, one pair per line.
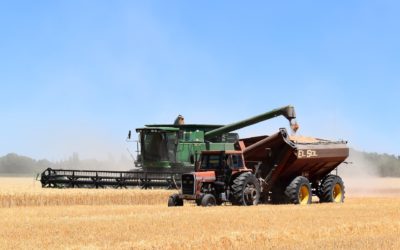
220,176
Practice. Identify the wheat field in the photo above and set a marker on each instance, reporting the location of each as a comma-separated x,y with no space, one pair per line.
35,218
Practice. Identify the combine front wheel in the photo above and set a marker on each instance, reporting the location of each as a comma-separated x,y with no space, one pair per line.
299,191
174,201
332,189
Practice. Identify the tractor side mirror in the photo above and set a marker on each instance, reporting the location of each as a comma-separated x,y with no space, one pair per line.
129,135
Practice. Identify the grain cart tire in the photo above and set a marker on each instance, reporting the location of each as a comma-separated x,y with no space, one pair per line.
332,189
175,201
208,200
299,191
246,190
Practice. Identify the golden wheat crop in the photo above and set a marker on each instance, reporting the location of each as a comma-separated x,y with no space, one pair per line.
359,223
17,192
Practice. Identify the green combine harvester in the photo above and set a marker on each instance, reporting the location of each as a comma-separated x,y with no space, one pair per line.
165,151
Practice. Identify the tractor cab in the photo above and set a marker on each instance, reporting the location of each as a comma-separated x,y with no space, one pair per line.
223,164
221,160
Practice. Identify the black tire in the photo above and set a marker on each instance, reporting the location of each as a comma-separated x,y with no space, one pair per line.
332,189
299,191
208,200
246,190
175,201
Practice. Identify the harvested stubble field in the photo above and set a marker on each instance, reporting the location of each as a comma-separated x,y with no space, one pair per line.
32,217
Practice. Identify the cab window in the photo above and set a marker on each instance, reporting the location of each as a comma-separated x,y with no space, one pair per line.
236,161
210,162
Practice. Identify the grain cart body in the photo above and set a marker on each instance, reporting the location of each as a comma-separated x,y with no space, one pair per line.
278,160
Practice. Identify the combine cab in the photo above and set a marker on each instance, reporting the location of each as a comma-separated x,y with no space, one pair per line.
268,169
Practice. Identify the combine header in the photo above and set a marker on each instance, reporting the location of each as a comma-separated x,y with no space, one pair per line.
165,151
61,178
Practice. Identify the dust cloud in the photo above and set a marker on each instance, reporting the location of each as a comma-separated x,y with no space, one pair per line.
91,148
361,177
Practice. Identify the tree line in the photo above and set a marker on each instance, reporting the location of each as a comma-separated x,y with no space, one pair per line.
384,165
14,164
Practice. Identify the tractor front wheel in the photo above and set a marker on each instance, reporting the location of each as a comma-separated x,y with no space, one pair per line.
208,200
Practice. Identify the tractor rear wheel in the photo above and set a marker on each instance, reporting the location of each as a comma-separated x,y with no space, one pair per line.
332,189
246,190
208,200
299,191
174,201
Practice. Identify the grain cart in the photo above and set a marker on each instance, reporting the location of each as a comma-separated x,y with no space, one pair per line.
267,169
165,151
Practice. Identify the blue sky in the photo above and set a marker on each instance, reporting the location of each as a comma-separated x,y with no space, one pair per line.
77,75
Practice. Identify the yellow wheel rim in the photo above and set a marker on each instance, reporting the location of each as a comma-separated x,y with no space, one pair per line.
304,195
337,193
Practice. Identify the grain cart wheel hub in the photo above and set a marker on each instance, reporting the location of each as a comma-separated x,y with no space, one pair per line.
304,195
337,193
